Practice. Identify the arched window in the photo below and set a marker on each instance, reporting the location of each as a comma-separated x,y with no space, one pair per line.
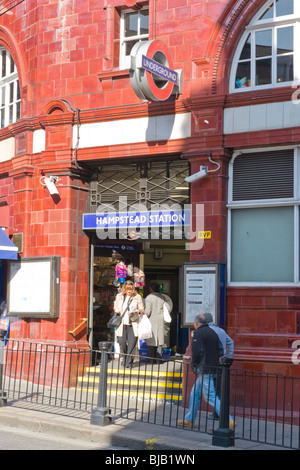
268,54
10,99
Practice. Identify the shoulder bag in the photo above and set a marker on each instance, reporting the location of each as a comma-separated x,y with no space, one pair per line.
116,320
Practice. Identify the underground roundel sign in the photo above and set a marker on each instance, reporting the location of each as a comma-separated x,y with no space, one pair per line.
152,73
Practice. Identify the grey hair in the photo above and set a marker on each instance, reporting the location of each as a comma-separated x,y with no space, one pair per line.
199,318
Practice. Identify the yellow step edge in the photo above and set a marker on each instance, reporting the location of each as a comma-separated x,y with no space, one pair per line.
133,394
150,373
141,382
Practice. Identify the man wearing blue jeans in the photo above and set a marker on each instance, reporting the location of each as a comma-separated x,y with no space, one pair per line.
206,351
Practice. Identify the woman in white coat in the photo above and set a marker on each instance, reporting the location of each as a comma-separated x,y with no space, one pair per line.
129,304
154,309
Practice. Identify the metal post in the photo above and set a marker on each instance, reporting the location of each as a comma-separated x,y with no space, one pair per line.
100,415
223,436
3,395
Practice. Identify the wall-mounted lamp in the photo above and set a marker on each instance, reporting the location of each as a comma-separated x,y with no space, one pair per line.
49,182
202,173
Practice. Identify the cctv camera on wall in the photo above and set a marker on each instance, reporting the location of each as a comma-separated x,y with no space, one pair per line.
49,182
197,176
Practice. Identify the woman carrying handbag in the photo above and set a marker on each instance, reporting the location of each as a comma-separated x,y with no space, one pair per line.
129,305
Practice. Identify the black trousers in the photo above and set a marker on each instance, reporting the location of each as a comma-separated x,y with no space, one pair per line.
155,352
127,344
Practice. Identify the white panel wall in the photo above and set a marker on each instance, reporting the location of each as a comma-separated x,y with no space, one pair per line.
134,130
261,117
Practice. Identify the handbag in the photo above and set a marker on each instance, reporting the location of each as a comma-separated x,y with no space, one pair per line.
115,321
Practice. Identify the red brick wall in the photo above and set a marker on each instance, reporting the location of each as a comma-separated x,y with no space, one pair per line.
6,204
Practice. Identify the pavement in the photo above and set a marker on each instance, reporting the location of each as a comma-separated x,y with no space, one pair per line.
133,435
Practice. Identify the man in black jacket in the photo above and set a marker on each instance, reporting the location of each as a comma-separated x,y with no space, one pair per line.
206,351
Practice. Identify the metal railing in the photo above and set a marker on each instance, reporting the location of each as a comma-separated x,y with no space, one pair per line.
94,385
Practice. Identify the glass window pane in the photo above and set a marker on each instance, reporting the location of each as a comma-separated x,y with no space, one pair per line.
3,63
18,90
285,40
12,65
128,46
284,7
10,113
2,96
269,13
263,43
262,245
18,110
144,19
11,92
263,72
285,68
131,24
246,52
243,75
2,117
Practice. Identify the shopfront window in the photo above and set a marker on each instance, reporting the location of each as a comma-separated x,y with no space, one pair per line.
264,224
267,55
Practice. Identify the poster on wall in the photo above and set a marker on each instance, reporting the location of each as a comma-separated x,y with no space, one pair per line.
201,291
33,287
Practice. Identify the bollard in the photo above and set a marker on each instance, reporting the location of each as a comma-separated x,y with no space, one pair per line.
223,436
101,415
3,395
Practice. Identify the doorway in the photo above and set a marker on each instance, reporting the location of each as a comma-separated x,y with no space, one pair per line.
158,261
162,263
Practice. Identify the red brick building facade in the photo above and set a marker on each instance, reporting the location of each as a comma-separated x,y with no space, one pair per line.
77,113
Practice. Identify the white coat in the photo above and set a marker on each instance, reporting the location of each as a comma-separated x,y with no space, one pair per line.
119,301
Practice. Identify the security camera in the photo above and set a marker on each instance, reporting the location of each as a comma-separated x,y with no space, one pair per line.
197,176
50,183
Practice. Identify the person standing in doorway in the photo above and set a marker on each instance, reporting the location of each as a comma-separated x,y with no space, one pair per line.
154,309
129,304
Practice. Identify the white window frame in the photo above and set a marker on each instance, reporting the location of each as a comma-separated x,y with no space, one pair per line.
280,202
260,25
125,59
8,80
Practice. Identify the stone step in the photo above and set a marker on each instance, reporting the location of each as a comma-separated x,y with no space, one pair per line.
159,382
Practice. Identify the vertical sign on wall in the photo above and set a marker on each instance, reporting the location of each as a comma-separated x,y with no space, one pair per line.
203,292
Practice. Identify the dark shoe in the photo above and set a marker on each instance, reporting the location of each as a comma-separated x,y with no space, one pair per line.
213,416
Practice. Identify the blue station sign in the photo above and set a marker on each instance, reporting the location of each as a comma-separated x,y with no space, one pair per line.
165,218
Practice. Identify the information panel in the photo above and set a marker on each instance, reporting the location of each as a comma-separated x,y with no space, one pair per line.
33,287
201,291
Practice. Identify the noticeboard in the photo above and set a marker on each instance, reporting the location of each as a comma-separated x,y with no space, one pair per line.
203,292
33,287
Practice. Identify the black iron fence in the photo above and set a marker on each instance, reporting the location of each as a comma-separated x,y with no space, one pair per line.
259,407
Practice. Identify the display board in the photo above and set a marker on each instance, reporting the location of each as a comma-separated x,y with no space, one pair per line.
203,292
33,287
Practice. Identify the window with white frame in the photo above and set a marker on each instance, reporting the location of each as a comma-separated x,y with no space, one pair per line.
10,99
268,54
264,220
134,28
